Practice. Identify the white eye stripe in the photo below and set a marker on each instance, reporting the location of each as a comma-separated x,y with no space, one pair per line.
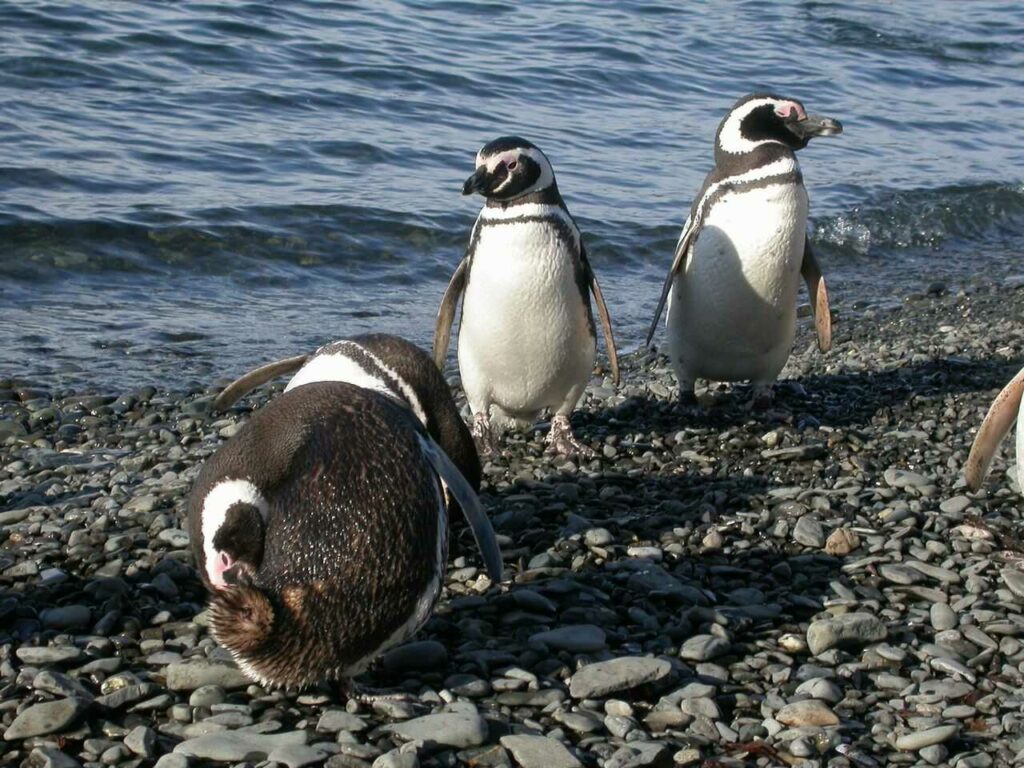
730,137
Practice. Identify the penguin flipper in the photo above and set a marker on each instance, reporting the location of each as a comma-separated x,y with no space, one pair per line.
446,312
479,523
602,311
678,264
997,423
818,294
241,386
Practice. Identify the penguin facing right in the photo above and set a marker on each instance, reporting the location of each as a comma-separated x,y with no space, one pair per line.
321,530
1006,408
733,283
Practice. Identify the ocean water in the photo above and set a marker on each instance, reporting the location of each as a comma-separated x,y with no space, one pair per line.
190,189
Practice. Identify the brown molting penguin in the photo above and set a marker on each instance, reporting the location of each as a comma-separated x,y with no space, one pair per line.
386,364
321,529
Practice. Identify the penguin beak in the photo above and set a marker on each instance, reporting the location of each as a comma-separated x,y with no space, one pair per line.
480,182
815,125
485,181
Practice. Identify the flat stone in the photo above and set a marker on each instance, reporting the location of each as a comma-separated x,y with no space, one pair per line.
48,717
703,648
850,629
576,638
428,655
1013,579
900,574
459,729
902,478
954,505
233,746
48,757
334,720
911,742
46,655
539,752
298,756
639,754
821,688
142,741
808,531
809,712
171,760
595,681
192,675
397,759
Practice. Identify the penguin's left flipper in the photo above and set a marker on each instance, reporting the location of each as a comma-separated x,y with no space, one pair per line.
446,312
818,294
241,386
602,311
997,423
480,524
678,264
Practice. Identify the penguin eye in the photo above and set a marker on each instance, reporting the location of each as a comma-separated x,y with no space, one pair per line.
511,165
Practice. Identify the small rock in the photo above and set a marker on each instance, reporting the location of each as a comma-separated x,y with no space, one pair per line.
459,729
842,541
703,648
911,742
595,681
228,746
808,531
539,752
846,630
942,616
809,712
192,675
48,757
40,719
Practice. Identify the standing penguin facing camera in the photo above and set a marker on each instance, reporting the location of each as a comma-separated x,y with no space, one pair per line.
321,529
527,340
733,283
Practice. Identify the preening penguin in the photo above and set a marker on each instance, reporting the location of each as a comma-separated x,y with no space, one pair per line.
733,282
321,530
1006,408
527,340
382,363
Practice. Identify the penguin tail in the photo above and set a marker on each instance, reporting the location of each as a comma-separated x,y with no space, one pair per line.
242,619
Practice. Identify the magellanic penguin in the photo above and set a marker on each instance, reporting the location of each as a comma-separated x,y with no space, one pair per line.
382,363
527,340
733,283
1006,408
321,529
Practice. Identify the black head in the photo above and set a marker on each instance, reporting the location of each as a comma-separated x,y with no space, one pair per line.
764,119
508,168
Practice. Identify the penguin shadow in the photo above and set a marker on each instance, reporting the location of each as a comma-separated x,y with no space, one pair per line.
839,399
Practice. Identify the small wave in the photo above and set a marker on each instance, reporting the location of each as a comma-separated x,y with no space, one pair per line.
926,218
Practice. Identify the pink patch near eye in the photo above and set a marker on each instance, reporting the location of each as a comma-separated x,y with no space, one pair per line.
790,109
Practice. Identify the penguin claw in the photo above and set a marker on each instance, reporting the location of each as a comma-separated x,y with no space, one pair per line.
364,694
561,440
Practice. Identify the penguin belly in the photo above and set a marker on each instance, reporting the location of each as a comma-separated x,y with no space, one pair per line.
732,314
526,340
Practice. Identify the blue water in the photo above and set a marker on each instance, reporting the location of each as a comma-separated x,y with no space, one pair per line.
189,189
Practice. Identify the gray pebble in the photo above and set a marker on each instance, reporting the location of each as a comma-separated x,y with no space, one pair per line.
539,752
602,678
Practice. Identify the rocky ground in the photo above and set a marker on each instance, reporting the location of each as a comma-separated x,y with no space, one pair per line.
808,586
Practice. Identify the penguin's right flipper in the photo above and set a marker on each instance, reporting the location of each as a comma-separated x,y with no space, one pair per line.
241,386
446,312
818,295
678,264
997,423
480,524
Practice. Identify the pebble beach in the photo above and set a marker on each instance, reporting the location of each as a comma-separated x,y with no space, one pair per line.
810,586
